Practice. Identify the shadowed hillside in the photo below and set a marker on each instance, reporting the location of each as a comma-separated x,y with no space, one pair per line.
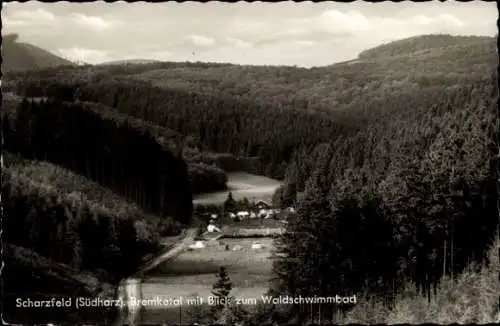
65,236
43,278
424,45
240,110
23,56
128,62
131,158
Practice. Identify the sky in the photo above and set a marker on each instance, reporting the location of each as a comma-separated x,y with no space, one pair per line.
303,34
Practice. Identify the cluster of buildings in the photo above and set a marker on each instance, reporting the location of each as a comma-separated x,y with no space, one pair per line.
260,209
200,244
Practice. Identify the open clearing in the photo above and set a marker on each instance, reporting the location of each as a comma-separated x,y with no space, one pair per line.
246,267
193,273
241,185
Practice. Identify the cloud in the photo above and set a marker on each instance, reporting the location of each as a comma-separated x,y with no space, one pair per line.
441,19
14,23
92,22
84,54
356,23
36,15
422,20
333,25
450,19
314,34
200,40
337,21
27,18
248,27
239,44
303,43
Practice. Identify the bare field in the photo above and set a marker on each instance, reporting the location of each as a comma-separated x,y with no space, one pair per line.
247,261
241,184
252,223
193,273
256,232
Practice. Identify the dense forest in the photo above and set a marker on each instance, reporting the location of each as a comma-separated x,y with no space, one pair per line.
221,107
109,151
67,218
407,200
80,225
67,236
210,123
201,171
391,159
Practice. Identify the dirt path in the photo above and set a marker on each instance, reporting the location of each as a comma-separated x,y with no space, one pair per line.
130,289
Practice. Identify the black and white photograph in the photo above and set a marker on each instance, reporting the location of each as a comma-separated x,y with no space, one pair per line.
250,163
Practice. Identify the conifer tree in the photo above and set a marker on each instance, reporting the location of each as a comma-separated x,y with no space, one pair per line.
306,265
220,291
229,203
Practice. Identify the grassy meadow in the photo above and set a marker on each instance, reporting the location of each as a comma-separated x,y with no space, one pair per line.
193,273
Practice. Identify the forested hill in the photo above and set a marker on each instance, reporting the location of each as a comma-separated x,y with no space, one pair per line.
203,175
135,160
66,236
23,56
427,44
209,122
270,112
411,199
130,62
248,106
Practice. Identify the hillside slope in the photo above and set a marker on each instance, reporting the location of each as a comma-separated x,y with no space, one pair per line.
23,56
408,65
128,62
92,239
434,60
424,44
104,146
241,110
203,176
44,278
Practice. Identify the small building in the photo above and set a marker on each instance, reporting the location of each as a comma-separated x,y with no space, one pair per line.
262,205
257,245
197,245
212,227
213,216
243,214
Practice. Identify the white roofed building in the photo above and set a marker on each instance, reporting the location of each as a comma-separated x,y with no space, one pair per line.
212,227
243,214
